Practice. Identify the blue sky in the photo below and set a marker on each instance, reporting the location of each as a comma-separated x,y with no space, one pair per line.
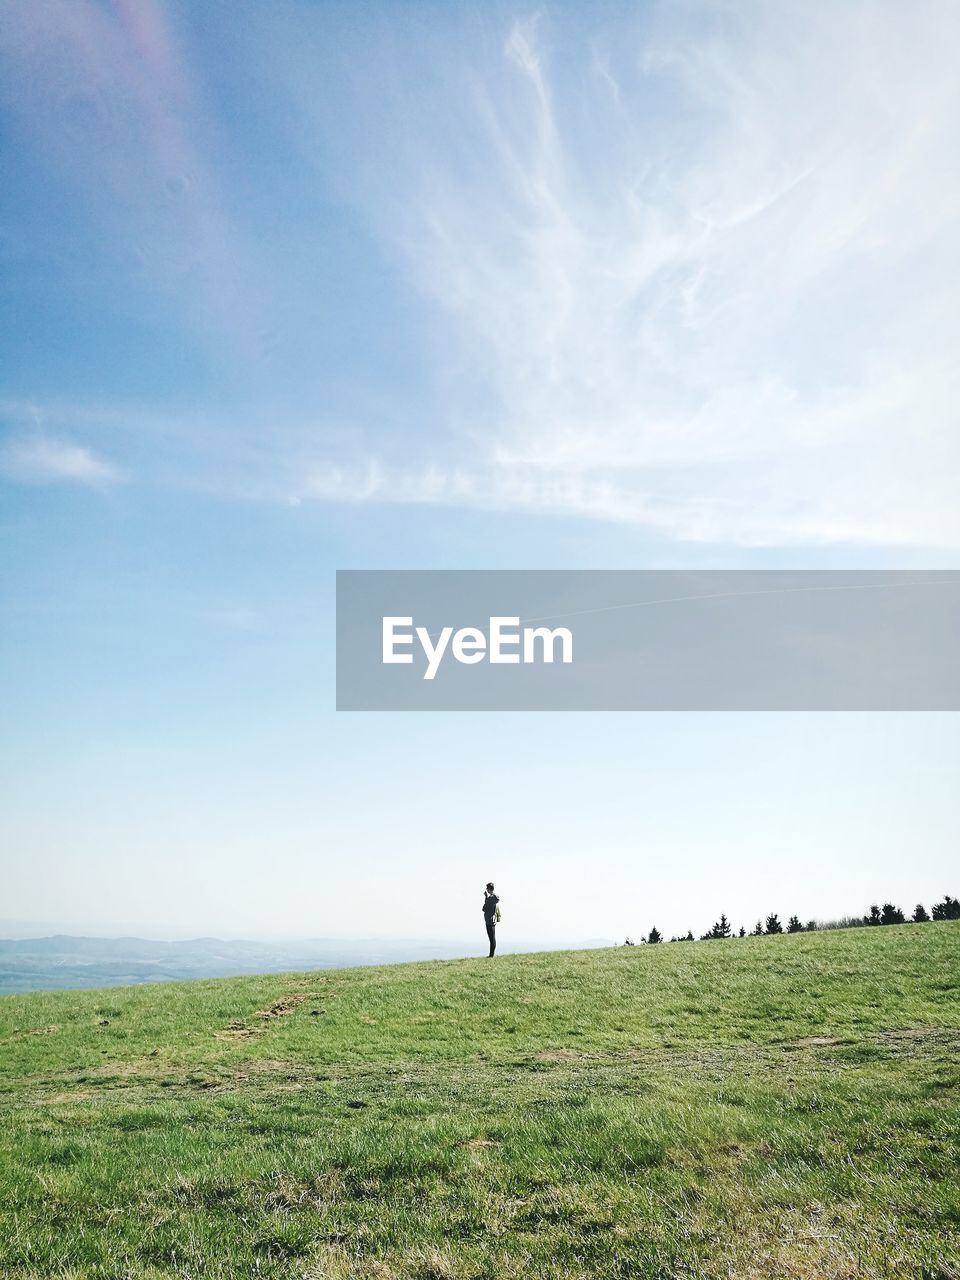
293,288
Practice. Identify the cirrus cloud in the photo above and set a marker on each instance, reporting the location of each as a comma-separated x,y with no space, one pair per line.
693,268
45,460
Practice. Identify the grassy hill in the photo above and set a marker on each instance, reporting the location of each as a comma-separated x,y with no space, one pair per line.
767,1107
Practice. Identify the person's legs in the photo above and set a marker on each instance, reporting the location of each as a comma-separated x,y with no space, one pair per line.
492,933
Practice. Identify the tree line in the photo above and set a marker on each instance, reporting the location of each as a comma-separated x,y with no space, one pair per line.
888,913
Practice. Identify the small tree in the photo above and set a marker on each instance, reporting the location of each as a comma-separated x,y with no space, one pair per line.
773,923
811,926
654,935
874,916
758,930
720,930
742,933
948,909
891,914
920,914
689,937
794,925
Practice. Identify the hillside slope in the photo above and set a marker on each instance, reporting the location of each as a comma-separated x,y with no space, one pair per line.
776,1107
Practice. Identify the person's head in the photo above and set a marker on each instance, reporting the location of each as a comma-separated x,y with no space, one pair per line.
489,886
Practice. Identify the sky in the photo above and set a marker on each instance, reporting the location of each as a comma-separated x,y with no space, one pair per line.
300,287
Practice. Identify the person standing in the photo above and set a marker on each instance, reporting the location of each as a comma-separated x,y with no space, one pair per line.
491,914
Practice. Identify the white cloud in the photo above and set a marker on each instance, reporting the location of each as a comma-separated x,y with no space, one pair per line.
46,460
693,270
699,272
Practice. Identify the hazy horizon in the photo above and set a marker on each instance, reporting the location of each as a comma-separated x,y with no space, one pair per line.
27,931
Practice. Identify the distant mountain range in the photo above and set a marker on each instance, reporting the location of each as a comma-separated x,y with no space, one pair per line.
63,962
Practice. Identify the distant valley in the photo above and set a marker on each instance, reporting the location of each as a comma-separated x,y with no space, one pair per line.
63,962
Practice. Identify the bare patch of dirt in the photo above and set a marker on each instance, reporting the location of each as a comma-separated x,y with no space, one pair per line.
285,1004
71,1097
813,1041
44,1031
236,1031
279,1008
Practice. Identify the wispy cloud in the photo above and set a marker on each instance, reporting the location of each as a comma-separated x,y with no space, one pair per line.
45,460
697,270
691,269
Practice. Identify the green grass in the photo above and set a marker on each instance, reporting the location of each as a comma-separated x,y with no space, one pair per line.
771,1107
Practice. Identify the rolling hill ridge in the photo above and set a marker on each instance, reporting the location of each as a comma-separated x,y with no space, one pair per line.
780,1106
